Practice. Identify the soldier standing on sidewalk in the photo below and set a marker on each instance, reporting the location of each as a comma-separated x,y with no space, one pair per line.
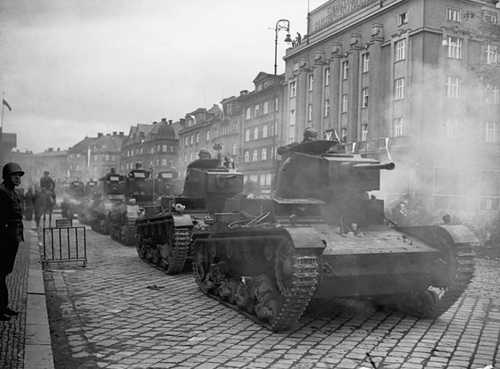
11,231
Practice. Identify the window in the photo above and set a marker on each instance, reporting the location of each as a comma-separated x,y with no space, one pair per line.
186,141
191,139
247,156
399,89
310,80
365,62
293,89
491,54
276,104
265,107
364,97
198,137
454,47
364,132
164,148
327,77
248,114
256,133
402,19
247,135
490,17
491,132
326,111
292,118
257,110
263,154
398,127
400,47
207,136
453,15
344,103
262,180
234,150
345,69
255,155
163,161
264,131
453,86
309,112
254,178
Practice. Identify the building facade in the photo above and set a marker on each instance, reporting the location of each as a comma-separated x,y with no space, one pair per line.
7,142
261,124
423,73
197,132
105,153
133,149
79,159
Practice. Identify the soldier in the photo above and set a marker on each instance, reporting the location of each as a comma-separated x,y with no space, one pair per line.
11,231
48,184
310,134
204,154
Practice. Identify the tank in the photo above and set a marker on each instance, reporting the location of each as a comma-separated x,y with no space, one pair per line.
164,237
167,183
322,235
138,194
109,196
73,198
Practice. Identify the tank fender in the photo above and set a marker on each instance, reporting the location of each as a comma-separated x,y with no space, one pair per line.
460,234
182,220
306,238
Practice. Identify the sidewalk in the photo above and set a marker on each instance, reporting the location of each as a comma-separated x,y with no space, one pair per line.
25,339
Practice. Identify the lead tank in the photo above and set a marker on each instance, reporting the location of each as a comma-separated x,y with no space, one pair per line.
321,236
110,195
164,237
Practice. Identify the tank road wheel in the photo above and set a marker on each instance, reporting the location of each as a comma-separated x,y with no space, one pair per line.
453,271
243,297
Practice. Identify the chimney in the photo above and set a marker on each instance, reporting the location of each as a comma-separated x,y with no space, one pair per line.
170,122
164,120
114,133
99,134
108,134
155,122
121,133
243,92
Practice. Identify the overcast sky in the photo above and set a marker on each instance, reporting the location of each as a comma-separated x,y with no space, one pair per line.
71,68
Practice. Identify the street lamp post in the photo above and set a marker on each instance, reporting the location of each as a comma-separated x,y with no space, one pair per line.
281,24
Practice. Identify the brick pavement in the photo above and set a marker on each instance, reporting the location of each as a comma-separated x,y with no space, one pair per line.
12,333
104,316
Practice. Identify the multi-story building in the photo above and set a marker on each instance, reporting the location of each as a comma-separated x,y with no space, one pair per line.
226,138
197,132
26,159
79,159
422,72
55,161
104,154
260,130
133,148
152,146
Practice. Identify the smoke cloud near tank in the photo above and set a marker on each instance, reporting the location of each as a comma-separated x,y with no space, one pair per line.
452,127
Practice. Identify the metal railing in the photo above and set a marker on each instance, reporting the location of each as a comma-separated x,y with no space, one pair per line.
64,243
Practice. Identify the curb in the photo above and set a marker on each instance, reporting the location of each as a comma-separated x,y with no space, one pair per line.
38,348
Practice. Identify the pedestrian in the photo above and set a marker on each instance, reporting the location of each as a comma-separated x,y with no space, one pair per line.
11,231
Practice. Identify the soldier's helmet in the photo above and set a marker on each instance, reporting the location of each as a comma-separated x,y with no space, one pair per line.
204,154
46,173
310,134
11,168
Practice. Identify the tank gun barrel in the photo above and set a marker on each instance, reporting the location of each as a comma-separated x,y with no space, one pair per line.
387,166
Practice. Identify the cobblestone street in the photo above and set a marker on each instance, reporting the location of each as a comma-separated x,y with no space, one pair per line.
119,312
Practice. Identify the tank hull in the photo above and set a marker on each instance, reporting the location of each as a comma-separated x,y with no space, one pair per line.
421,271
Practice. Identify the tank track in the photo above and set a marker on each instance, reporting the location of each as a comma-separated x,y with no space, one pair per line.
181,248
428,304
302,283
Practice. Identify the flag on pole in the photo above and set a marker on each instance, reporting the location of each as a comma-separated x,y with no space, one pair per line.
4,102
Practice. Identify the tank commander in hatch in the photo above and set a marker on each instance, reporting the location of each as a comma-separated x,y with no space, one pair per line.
204,155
